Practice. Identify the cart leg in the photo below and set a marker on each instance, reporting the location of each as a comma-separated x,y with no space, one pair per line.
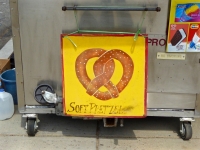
186,128
31,124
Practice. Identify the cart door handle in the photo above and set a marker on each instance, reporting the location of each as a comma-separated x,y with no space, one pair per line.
104,8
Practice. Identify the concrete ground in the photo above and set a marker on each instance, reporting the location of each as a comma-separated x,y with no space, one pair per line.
56,132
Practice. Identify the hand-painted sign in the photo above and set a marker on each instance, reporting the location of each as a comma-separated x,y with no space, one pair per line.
103,76
104,68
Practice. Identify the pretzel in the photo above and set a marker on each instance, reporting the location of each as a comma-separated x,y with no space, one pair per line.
103,70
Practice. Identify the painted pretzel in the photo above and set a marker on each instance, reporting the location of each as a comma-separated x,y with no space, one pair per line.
103,70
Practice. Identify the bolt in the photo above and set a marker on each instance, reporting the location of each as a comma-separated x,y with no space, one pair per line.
43,92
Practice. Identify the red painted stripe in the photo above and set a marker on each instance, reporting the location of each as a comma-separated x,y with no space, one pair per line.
63,79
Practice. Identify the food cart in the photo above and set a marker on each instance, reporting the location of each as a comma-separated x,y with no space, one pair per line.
105,59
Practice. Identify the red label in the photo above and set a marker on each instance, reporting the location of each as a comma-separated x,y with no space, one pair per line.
157,42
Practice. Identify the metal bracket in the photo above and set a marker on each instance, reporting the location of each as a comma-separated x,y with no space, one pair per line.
51,97
182,120
34,116
182,130
110,122
187,119
197,106
29,116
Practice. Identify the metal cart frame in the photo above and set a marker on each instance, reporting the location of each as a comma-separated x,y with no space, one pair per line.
173,85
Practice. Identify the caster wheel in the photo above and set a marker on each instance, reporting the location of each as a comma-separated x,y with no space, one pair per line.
31,127
38,93
186,133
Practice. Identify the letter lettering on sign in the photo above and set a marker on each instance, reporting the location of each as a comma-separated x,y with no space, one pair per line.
71,105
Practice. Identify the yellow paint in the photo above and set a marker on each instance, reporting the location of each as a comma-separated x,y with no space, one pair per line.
131,101
191,9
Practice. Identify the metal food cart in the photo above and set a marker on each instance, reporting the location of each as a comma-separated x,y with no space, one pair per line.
172,79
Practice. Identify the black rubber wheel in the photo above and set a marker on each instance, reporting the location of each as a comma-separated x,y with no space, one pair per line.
31,127
187,128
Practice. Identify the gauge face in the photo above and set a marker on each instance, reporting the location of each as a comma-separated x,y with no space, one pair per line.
38,93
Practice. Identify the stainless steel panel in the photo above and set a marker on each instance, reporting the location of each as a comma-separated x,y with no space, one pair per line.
171,100
172,76
197,106
171,113
18,52
37,111
171,83
42,22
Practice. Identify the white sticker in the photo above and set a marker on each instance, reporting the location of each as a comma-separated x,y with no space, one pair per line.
175,56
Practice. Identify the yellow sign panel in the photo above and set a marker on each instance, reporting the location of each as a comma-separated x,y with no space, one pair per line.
104,76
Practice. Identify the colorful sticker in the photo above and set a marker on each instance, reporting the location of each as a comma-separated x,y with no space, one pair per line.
194,38
183,33
188,12
177,39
